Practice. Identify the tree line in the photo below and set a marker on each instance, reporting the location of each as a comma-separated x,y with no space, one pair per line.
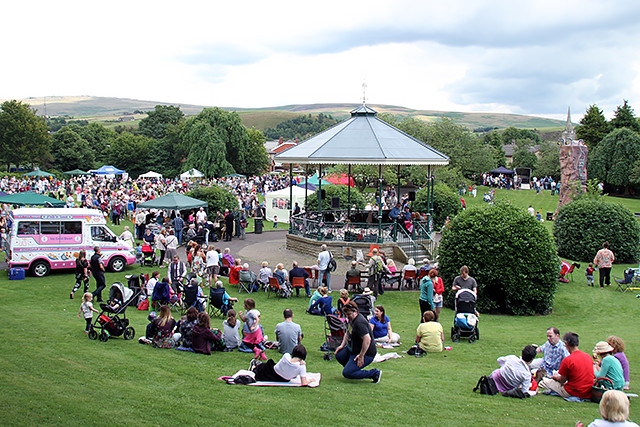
214,142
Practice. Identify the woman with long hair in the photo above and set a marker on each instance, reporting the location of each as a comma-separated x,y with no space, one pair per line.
381,327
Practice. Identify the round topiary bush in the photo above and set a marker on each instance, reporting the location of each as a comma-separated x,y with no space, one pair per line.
583,225
218,198
510,254
445,204
339,191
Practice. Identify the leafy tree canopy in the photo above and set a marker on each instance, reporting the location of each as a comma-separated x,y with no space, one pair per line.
445,204
339,191
301,127
593,127
24,137
131,153
71,151
624,117
613,158
155,124
218,198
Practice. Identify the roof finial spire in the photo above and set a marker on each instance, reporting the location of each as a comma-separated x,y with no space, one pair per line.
364,93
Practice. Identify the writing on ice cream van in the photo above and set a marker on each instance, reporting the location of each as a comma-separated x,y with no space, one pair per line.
50,238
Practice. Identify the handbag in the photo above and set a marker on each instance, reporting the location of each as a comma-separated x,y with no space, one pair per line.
600,385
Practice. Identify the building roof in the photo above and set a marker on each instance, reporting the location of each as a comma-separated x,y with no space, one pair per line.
363,139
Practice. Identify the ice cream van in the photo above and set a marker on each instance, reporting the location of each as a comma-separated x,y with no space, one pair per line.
50,238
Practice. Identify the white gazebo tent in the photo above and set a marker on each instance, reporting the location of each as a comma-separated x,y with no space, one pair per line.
151,174
191,173
282,201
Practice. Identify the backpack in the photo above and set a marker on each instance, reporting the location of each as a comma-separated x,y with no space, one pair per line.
486,386
333,265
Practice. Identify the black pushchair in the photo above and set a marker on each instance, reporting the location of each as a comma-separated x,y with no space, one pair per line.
334,330
112,320
465,322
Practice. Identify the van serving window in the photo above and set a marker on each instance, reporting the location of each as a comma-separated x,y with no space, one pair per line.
50,227
26,228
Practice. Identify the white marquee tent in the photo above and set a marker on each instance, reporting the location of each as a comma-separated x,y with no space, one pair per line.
278,203
151,174
191,173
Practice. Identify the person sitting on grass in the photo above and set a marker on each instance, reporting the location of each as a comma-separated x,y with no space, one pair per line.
514,371
324,305
606,365
618,352
289,367
381,327
202,336
429,335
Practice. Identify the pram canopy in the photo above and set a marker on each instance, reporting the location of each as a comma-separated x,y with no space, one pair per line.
119,292
465,301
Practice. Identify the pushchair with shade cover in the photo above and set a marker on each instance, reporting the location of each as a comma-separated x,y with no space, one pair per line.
112,320
465,322
334,330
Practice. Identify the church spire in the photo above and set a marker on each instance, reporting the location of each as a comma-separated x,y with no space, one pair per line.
569,134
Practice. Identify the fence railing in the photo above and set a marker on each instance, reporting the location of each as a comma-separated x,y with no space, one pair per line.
312,227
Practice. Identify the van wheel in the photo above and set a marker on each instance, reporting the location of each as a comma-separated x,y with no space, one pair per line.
40,268
117,264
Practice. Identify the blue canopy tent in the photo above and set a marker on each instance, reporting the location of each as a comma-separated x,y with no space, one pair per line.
108,170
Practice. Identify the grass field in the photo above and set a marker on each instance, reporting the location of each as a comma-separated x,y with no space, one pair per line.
51,374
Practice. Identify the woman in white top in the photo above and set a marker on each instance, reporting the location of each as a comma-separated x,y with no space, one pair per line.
289,367
151,283
127,236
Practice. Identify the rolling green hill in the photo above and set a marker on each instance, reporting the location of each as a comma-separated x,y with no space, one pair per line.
105,109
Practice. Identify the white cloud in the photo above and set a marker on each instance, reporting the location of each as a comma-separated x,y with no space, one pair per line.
525,57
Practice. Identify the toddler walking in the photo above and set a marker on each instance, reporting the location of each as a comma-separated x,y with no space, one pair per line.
87,310
589,274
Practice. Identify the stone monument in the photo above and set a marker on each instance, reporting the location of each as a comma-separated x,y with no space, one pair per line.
573,165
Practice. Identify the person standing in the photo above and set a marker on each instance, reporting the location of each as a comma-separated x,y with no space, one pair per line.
426,292
178,225
228,225
288,333
171,243
97,270
324,275
141,223
464,281
604,260
358,347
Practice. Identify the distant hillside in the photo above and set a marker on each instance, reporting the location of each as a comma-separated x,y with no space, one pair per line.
103,108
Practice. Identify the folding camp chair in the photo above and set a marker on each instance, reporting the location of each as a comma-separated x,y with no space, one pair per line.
624,284
248,281
313,276
215,307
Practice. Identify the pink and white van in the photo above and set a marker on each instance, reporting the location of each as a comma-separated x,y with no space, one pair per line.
50,238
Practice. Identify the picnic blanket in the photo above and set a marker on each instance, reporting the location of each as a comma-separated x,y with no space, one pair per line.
293,383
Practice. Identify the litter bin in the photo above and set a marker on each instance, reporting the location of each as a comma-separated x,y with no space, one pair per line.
549,216
258,225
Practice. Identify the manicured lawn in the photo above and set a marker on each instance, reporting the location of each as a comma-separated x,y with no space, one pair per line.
52,374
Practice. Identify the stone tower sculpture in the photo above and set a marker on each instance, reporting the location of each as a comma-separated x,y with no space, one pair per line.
573,165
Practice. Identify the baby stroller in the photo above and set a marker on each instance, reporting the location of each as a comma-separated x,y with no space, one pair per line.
334,330
148,255
465,322
112,321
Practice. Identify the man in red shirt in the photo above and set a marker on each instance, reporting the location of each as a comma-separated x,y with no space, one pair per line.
575,376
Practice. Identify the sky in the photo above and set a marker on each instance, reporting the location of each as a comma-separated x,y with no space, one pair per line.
525,57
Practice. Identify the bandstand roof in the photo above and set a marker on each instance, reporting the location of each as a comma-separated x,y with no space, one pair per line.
363,139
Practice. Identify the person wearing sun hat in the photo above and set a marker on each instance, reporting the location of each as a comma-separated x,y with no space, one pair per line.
605,365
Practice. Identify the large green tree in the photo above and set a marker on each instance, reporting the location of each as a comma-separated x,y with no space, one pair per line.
166,154
71,151
624,117
257,158
130,152
23,135
99,139
548,164
614,157
216,142
156,123
593,127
